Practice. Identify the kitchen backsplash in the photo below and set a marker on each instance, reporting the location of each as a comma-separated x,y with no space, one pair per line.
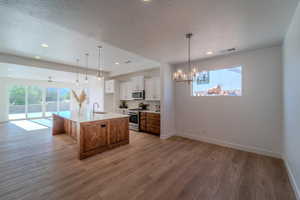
135,104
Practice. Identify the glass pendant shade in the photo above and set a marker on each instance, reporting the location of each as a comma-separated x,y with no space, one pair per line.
100,75
77,73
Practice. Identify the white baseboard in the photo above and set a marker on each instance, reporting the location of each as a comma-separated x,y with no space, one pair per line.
292,178
167,134
231,145
164,137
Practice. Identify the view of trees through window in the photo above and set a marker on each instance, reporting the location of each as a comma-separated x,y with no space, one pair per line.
17,101
34,102
17,95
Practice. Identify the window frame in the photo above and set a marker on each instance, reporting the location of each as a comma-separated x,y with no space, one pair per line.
221,68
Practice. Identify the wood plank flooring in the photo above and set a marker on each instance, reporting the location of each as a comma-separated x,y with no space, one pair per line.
35,165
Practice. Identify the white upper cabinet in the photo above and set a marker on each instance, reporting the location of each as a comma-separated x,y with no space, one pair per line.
126,90
122,91
152,89
110,86
148,89
138,83
156,88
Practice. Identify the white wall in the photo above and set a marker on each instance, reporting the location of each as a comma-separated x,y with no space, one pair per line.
3,100
291,69
252,122
167,102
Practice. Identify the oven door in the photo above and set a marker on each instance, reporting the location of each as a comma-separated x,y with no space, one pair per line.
133,118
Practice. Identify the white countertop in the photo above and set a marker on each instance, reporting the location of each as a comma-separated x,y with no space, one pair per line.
150,111
89,117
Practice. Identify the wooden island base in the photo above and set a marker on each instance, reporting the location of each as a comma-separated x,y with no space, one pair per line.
93,137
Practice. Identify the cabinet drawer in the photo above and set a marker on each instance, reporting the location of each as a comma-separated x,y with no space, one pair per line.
155,130
153,115
153,123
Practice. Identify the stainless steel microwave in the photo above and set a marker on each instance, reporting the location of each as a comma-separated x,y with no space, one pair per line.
138,95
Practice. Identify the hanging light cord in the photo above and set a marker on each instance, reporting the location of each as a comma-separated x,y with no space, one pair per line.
77,60
87,66
99,60
189,35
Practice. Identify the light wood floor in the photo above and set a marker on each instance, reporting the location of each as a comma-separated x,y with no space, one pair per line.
35,165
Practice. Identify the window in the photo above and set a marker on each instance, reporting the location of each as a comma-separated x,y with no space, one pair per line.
64,99
17,101
222,82
29,102
51,101
35,98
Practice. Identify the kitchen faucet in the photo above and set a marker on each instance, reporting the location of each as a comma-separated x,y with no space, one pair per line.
94,106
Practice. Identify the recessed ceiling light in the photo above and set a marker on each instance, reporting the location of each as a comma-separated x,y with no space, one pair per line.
37,57
117,63
146,1
44,45
209,53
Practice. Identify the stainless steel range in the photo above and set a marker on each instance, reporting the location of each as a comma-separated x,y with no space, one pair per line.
134,119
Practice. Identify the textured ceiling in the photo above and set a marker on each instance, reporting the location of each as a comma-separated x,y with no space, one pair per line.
156,29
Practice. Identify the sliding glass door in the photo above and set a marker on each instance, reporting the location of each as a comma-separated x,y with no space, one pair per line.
28,102
35,102
17,102
51,101
64,99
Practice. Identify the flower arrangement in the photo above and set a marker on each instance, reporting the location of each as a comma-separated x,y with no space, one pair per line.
80,99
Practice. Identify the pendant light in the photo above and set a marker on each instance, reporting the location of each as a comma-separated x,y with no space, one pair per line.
87,66
100,75
188,77
77,74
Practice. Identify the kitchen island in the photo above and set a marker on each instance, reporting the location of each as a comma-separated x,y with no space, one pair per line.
94,133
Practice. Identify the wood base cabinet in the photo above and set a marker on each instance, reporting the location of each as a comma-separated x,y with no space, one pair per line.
96,136
64,126
150,122
118,131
